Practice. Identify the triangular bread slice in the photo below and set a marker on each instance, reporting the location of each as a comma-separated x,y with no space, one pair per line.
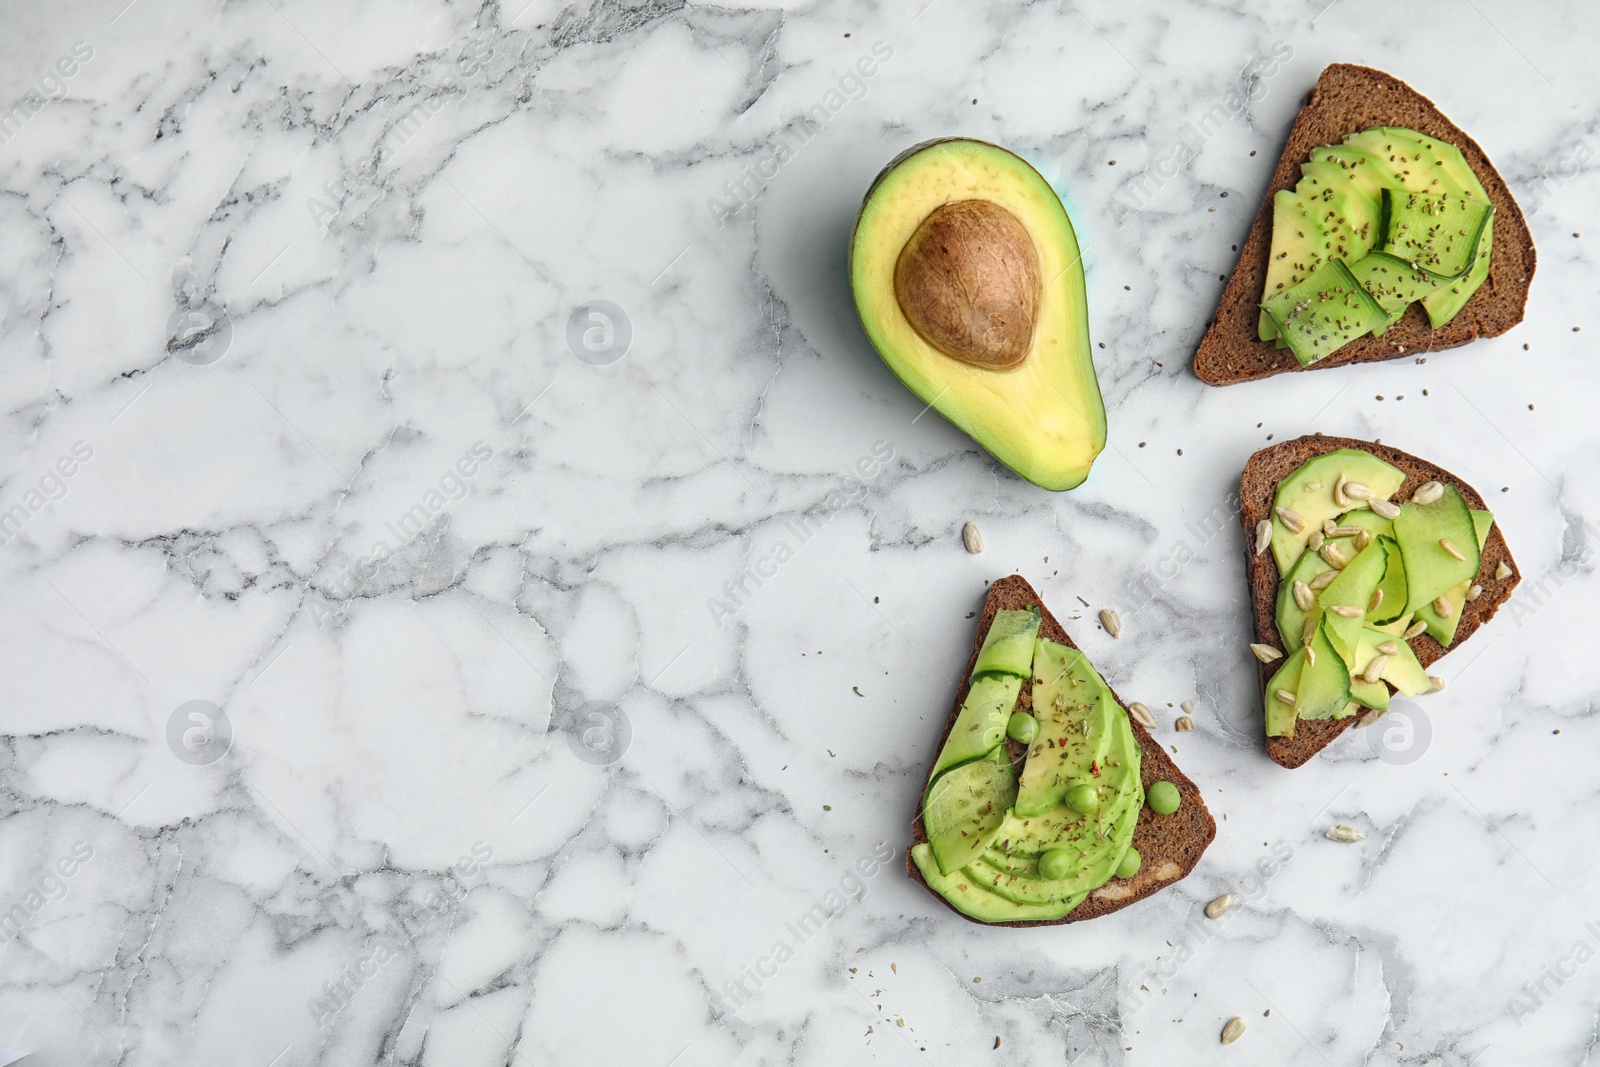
1346,100
1257,487
1169,844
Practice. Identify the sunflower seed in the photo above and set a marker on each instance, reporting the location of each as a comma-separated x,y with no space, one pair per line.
1502,571
1222,905
1141,715
1357,491
1475,592
1311,655
1377,599
1263,535
1188,707
1374,669
1415,629
1266,653
1450,547
1438,683
1338,493
1443,606
1323,580
1347,834
1285,696
1349,611
1233,1031
972,537
1291,519
1389,648
1387,508
1334,557
1314,542
1329,529
1427,493
1303,597
1308,631
1345,531
1312,487
1111,621
1184,724
1363,539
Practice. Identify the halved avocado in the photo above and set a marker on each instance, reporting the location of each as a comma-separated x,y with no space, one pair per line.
969,282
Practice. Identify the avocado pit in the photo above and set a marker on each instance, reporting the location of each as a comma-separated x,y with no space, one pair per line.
968,282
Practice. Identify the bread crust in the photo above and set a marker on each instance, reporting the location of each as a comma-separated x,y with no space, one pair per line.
1257,487
1166,843
1346,100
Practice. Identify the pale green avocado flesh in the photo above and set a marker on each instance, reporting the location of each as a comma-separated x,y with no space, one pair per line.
1043,418
1404,572
1084,742
1405,219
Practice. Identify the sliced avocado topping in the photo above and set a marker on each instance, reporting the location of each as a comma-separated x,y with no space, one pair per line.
1286,679
1442,628
966,807
1309,494
967,893
1438,233
1439,545
1325,312
1008,646
982,722
1343,604
1442,219
1324,689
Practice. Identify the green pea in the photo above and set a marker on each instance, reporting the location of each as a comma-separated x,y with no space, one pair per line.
1022,727
1055,864
1131,862
1083,798
1163,798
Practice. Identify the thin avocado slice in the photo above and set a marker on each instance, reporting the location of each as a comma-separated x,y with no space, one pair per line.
1373,695
1324,689
1008,646
1308,492
981,724
1291,619
1352,589
1443,628
1394,283
1392,604
1294,254
1422,530
1368,520
1280,715
966,807
969,896
1402,669
1446,303
1325,312
1436,232
1074,711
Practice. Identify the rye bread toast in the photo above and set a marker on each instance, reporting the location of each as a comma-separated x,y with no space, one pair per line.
1169,844
1346,100
1259,483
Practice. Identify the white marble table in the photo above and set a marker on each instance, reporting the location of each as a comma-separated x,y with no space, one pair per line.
505,763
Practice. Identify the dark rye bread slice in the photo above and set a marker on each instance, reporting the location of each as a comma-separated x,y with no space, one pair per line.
1170,845
1257,487
1346,100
